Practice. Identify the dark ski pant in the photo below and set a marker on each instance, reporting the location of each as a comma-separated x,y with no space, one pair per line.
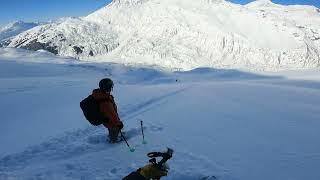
113,134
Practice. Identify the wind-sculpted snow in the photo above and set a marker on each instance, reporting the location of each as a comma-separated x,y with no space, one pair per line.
183,35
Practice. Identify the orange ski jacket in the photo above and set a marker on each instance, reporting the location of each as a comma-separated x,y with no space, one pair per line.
108,107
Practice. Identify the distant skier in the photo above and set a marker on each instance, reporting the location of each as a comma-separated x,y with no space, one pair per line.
108,108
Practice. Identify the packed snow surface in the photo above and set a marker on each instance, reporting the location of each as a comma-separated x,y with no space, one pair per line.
222,124
188,34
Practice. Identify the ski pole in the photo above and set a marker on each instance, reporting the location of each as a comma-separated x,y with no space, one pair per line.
143,141
124,138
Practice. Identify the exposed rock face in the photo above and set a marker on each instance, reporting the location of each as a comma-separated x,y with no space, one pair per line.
5,43
77,50
35,45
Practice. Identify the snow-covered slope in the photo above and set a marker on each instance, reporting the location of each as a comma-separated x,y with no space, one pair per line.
187,34
14,29
223,124
8,32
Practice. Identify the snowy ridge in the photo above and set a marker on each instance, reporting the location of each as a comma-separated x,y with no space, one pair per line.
15,28
9,31
187,34
128,2
68,38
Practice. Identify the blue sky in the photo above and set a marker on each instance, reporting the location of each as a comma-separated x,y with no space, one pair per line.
44,10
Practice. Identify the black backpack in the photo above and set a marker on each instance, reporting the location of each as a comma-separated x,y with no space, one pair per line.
91,110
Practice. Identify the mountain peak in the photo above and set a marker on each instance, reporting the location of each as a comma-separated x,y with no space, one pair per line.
19,23
260,3
266,1
128,2
135,2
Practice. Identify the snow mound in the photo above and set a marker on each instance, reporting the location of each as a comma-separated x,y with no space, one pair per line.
184,35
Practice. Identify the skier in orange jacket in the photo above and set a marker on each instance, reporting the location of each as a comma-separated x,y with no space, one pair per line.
108,108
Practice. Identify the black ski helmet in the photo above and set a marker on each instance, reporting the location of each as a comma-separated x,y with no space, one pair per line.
106,84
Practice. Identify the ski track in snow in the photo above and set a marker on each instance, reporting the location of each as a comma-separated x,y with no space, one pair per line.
77,143
69,146
89,141
83,153
148,105
63,151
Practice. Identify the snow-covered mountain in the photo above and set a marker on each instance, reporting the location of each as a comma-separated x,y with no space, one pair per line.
12,29
187,34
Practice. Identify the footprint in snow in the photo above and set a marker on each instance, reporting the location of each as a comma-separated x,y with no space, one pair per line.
103,138
131,133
